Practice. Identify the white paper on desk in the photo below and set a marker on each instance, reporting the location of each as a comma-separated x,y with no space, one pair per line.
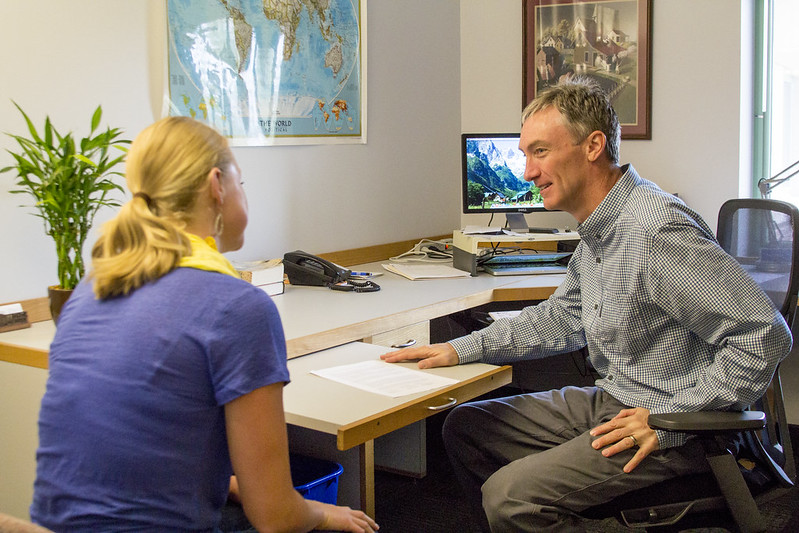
426,271
384,378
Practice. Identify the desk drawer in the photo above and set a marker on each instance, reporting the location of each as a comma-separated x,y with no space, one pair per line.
418,333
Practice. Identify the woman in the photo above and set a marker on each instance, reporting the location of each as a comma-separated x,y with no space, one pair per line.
167,370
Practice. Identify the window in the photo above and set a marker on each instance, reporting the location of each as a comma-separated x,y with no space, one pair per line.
776,138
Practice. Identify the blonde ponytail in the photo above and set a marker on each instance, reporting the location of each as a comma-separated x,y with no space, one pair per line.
166,168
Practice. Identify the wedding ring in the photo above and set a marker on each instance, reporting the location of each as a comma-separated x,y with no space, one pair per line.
635,442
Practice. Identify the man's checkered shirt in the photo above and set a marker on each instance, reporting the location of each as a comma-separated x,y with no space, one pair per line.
671,322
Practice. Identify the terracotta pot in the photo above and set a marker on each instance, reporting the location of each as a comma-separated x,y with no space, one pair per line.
58,297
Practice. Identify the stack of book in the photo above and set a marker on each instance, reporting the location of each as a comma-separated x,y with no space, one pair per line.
13,317
268,275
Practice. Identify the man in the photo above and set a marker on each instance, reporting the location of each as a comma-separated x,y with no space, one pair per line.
671,323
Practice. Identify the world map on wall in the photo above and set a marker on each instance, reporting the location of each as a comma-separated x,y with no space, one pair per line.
260,70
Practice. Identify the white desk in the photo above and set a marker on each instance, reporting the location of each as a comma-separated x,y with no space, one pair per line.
315,318
337,422
331,421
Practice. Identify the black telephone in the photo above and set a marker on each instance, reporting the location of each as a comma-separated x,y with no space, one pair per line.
303,268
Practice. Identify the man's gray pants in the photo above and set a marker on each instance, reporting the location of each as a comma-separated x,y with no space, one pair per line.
528,460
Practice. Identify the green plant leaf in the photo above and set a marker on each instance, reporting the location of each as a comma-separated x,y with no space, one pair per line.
31,127
68,182
48,131
86,160
98,114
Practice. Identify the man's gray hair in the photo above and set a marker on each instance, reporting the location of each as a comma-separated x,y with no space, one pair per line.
585,108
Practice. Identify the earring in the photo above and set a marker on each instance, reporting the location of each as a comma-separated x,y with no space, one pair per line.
219,225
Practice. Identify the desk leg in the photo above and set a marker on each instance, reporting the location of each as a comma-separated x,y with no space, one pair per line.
367,463
356,486
358,463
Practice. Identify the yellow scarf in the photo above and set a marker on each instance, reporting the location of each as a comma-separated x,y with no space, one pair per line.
206,256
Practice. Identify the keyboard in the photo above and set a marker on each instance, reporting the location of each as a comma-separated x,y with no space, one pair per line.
517,269
526,258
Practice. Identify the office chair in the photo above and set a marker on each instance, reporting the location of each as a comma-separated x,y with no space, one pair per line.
750,452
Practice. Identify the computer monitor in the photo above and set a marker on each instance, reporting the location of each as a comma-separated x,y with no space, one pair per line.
493,178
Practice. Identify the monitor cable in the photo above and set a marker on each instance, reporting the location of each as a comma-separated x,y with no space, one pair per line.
427,251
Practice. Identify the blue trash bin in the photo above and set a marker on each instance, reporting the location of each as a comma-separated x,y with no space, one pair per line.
315,479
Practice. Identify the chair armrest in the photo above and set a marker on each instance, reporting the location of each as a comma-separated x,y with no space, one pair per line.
709,421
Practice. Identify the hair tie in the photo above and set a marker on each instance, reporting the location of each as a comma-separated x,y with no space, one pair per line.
146,198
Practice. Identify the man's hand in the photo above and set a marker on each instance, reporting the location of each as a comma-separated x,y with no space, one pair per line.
431,356
626,430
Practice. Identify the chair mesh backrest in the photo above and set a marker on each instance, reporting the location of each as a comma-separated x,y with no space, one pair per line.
761,235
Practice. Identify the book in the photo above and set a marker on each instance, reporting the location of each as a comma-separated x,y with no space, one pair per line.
269,274
13,317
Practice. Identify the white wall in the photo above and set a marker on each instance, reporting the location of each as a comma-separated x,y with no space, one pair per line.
491,83
696,56
64,58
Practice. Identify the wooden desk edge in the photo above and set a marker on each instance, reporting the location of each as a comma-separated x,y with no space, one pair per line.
38,310
380,252
417,409
519,294
23,355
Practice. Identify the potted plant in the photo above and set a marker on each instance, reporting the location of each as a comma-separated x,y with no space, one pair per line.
70,181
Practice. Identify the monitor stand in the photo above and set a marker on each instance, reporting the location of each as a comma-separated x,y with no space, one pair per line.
517,223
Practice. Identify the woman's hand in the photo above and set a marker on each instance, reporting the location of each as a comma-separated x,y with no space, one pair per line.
431,356
340,518
628,429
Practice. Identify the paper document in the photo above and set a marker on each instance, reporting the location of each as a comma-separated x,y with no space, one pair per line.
496,315
419,271
383,378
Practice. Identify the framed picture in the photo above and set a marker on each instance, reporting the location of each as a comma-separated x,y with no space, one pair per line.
609,41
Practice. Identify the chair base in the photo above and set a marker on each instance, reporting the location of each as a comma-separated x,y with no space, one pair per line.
683,503
679,516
